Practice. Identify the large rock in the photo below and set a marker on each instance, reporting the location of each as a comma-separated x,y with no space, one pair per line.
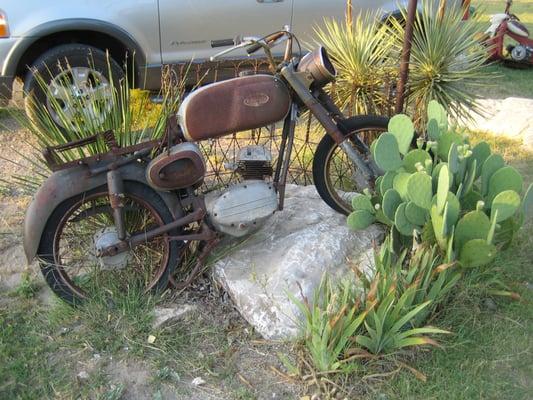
293,250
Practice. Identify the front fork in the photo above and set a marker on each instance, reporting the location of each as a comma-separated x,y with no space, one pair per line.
366,172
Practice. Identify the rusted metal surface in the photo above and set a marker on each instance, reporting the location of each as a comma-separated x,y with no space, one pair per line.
234,105
139,238
406,56
180,167
67,183
115,186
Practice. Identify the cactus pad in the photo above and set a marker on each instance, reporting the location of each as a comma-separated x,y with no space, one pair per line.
433,130
470,178
443,187
505,205
386,153
390,204
506,178
453,159
403,130
480,153
445,143
420,190
476,253
400,184
415,215
474,225
360,219
413,157
362,202
387,182
492,164
438,113
401,222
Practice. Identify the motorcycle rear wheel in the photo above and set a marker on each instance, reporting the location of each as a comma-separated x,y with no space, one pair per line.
67,249
333,171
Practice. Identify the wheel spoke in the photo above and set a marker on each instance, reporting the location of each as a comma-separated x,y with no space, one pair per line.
80,77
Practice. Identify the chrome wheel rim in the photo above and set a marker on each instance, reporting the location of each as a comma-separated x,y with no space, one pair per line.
79,94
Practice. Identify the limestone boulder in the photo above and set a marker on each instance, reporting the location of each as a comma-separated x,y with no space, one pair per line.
290,254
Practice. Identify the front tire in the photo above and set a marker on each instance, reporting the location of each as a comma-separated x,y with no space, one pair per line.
333,171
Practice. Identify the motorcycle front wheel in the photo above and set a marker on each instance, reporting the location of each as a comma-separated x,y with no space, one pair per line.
67,251
333,172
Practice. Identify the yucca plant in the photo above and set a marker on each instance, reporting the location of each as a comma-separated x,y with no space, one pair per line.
447,62
331,320
361,53
128,113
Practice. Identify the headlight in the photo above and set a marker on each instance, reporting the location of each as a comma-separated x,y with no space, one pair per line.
4,27
318,64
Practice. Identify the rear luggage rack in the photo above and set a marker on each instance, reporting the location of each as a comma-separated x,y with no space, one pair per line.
53,159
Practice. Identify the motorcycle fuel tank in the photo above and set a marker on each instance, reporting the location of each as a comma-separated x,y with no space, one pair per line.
234,105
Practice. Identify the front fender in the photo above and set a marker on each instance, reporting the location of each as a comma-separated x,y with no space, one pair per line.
63,185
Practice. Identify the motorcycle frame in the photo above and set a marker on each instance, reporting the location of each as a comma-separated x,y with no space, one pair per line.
497,42
316,100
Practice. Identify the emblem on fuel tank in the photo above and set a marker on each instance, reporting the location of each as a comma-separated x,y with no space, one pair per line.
256,100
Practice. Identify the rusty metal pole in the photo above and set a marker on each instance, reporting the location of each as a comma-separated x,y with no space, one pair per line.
406,55
349,13
442,9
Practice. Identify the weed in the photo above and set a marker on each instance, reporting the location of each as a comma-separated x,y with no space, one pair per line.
27,287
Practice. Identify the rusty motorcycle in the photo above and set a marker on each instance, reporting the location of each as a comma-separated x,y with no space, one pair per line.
134,212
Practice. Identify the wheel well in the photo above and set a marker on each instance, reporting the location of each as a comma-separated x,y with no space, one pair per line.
117,50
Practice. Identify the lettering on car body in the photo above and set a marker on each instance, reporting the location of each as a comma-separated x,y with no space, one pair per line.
187,43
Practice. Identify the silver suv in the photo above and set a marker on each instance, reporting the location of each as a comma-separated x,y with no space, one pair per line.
37,35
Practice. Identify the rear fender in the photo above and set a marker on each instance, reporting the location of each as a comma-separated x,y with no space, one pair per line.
63,185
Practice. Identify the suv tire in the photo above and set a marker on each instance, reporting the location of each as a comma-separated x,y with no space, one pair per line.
67,59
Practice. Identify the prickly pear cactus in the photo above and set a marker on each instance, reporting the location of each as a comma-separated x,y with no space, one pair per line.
445,191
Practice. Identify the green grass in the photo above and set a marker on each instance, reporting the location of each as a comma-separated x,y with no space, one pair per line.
489,355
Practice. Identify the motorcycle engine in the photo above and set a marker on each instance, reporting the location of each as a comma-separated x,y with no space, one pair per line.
241,208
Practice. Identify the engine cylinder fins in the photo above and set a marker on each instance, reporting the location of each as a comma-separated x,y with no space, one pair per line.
254,163
254,170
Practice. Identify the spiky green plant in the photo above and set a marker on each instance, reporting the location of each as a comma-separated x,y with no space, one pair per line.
403,293
361,54
331,319
130,115
447,62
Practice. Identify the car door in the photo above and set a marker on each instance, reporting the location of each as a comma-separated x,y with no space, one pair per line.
311,13
189,26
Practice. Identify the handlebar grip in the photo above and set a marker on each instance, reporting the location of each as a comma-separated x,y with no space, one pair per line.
253,48
222,43
268,40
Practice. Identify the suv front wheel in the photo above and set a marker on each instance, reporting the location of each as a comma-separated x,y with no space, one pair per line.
72,83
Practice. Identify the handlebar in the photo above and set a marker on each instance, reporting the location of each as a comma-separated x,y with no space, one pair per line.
269,41
253,43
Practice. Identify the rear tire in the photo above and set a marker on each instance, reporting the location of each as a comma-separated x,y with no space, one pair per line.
60,276
328,156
